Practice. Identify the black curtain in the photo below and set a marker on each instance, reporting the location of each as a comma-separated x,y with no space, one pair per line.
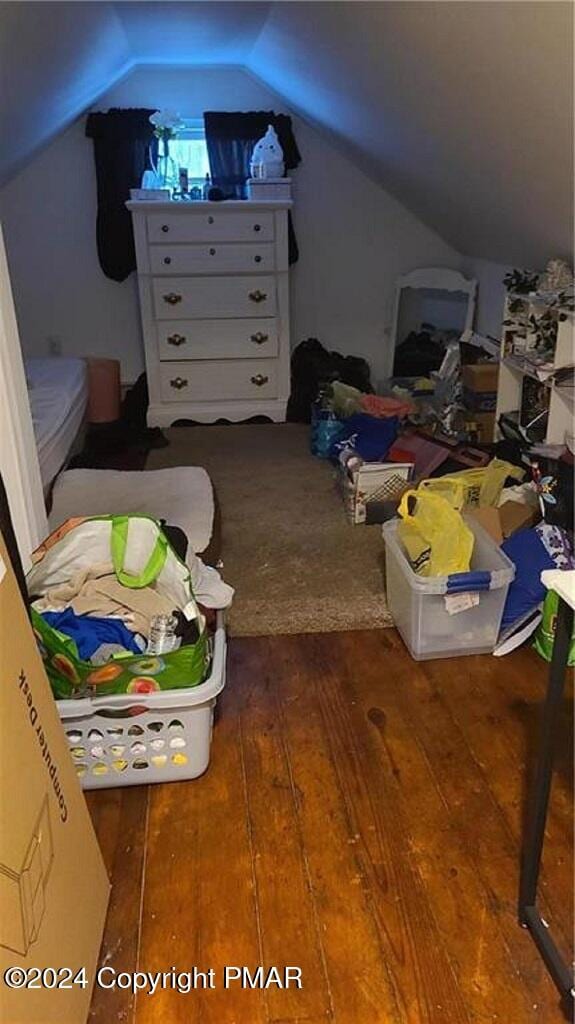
230,139
122,142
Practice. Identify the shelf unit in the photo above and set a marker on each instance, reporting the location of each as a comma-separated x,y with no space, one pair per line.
519,360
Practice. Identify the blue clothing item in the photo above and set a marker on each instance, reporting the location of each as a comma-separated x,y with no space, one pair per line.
369,436
530,557
89,632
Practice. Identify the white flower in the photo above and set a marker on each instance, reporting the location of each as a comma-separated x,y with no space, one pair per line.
167,119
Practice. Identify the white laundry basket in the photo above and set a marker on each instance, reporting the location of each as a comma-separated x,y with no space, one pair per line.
129,740
423,607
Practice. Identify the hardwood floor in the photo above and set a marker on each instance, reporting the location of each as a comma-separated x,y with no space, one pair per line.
361,819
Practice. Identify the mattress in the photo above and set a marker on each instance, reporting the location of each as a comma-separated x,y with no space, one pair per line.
58,393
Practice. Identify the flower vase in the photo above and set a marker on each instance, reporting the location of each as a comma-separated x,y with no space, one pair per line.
164,168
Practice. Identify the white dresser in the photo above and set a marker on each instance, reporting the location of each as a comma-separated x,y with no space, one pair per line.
214,298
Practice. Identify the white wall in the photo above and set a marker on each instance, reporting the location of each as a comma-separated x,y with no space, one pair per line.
490,294
354,238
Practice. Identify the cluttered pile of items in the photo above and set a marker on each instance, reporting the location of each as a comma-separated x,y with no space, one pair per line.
469,525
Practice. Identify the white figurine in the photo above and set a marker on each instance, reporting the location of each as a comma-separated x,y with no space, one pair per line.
267,156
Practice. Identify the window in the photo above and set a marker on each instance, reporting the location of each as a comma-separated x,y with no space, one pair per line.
189,150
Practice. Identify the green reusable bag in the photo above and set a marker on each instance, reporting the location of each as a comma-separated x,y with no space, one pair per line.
545,634
141,555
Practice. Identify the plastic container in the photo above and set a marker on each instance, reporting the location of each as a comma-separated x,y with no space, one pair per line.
419,607
131,740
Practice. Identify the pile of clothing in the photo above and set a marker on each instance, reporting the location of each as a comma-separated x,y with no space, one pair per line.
106,619
108,594
346,420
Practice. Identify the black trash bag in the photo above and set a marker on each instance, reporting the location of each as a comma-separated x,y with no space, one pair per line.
135,404
418,355
311,367
134,415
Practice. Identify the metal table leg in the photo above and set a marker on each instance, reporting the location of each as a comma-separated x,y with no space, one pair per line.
529,916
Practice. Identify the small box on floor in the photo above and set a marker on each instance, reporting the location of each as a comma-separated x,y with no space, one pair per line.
372,490
481,426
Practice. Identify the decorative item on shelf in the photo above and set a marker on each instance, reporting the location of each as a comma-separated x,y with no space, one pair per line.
149,194
267,157
167,124
542,335
521,281
558,277
268,188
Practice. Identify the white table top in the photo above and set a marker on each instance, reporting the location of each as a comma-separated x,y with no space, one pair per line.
562,581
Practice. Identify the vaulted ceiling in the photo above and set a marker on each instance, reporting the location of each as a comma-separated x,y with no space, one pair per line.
464,111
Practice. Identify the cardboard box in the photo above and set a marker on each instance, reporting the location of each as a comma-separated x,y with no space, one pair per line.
484,425
373,484
53,884
479,401
515,515
489,519
501,522
480,377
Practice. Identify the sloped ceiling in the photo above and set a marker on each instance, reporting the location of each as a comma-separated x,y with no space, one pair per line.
463,110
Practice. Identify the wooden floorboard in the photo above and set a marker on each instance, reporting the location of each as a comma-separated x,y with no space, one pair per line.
362,819
120,819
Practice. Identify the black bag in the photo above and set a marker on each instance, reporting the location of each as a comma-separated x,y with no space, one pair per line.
418,355
311,367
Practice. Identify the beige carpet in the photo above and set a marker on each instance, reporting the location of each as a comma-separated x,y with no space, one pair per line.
296,564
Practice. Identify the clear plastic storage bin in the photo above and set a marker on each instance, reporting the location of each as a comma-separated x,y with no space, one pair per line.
424,609
134,739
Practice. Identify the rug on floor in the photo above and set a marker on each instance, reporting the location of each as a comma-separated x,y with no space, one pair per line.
297,565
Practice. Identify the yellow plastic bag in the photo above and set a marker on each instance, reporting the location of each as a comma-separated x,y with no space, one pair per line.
474,488
435,537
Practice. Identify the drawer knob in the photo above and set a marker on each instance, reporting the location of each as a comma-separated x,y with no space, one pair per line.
259,338
165,228
259,380
212,252
257,296
176,339
178,383
210,220
172,298
257,227
167,259
257,259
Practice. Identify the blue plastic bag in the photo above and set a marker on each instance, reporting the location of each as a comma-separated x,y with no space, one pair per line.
326,429
369,436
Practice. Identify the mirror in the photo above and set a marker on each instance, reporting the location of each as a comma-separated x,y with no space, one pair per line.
432,307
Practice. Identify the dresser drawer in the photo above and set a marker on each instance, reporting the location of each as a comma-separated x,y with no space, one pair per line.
223,380
212,224
217,339
183,298
224,258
